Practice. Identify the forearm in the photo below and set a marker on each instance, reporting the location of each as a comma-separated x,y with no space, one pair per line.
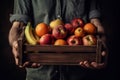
100,30
97,23
15,32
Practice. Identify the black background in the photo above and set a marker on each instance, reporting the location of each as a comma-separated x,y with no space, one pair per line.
110,18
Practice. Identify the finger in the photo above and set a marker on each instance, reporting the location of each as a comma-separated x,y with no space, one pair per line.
104,57
15,44
16,61
16,56
96,65
34,65
86,64
31,65
26,64
82,64
15,47
15,52
103,53
38,64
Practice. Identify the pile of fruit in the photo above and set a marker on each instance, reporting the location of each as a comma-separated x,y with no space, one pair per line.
57,32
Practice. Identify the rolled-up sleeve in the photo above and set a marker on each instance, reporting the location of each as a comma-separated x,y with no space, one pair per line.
94,14
22,11
19,17
94,9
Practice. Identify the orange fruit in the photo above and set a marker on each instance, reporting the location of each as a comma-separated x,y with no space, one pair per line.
60,42
90,28
41,29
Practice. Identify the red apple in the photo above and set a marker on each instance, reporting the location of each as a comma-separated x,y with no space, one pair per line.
89,40
46,39
69,28
77,22
59,32
74,40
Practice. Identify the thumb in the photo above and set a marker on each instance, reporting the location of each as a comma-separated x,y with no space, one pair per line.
15,52
15,44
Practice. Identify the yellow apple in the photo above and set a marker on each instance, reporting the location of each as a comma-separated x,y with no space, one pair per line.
79,32
55,23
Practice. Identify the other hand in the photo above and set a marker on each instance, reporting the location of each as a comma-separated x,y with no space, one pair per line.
94,65
102,37
17,57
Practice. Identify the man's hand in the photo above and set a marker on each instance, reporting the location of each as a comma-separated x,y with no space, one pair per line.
14,34
102,37
17,57
94,65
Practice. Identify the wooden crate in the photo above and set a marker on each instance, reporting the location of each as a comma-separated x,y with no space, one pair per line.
59,55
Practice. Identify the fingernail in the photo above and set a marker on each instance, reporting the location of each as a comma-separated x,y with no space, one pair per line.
38,64
85,62
81,63
103,53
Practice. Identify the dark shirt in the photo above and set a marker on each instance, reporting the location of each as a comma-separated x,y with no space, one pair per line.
47,10
38,11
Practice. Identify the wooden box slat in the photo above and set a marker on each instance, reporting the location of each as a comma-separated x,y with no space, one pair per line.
65,48
60,58
59,55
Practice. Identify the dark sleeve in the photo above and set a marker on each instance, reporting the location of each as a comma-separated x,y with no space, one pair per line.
21,11
94,9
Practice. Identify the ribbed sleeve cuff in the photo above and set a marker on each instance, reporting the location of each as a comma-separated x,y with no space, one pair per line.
18,17
94,14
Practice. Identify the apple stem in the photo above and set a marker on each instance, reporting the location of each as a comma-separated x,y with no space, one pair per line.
59,17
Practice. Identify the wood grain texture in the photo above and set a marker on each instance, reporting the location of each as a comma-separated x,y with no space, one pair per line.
59,55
